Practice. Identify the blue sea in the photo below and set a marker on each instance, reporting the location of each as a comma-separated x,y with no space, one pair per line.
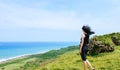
14,49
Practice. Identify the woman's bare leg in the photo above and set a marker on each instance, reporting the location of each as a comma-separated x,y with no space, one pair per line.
85,64
91,67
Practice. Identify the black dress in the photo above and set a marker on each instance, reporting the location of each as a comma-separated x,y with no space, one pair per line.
84,48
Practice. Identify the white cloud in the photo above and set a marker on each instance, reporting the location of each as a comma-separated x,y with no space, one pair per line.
38,18
25,17
16,20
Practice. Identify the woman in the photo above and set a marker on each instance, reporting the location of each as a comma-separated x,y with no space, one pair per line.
84,46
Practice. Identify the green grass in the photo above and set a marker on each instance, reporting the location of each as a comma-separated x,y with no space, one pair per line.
15,63
72,61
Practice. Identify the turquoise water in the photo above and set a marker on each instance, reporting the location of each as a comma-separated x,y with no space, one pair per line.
13,49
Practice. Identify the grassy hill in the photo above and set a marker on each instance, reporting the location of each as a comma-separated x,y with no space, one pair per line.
71,61
68,59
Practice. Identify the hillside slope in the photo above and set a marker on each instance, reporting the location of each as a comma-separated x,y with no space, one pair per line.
72,61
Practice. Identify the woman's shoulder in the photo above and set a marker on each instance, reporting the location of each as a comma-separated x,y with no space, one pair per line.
83,35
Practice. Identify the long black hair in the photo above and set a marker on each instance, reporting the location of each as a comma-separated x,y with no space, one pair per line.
87,29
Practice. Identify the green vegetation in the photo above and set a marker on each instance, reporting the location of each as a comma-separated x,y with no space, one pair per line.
16,63
71,61
69,58
104,43
106,39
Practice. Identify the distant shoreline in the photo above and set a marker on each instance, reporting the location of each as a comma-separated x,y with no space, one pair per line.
4,60
13,58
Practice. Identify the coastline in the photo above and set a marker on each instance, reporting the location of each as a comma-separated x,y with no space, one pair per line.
4,60
53,46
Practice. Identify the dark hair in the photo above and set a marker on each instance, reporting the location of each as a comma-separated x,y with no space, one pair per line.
87,29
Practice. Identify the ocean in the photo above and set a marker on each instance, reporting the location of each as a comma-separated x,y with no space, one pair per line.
15,49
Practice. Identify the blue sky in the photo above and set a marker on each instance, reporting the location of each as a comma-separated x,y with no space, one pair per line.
56,20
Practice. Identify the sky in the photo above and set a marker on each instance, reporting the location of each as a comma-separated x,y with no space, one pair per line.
56,20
